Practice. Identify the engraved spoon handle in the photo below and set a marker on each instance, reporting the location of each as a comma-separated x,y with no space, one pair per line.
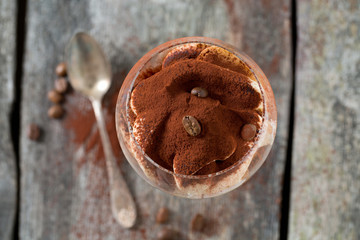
122,203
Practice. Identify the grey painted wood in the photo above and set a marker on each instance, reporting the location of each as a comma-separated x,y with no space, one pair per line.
325,198
8,182
60,200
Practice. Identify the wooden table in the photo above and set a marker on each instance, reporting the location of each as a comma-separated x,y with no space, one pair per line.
307,189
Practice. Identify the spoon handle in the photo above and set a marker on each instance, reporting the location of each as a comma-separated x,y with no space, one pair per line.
122,203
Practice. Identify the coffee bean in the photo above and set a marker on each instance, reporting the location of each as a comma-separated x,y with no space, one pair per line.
200,92
61,69
197,223
55,97
33,132
248,132
56,111
191,125
61,85
168,234
162,215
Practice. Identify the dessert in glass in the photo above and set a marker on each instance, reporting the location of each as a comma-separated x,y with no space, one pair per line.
196,117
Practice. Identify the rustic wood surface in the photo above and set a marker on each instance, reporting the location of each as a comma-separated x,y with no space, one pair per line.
64,189
60,200
8,184
325,198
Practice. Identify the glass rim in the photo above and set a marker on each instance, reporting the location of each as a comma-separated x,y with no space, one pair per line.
180,41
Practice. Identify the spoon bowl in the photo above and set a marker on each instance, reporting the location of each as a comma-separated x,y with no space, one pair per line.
88,68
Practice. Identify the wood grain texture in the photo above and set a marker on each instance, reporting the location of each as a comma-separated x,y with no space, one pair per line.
8,182
325,198
61,200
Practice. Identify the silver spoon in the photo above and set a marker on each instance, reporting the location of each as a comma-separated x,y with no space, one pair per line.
90,74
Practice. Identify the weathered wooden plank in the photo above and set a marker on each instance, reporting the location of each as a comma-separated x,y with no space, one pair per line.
325,198
8,182
64,197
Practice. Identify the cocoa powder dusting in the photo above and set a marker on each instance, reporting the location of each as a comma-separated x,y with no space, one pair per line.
161,101
81,123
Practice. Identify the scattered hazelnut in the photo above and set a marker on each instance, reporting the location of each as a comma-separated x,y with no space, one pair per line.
33,132
56,111
61,85
61,69
55,97
168,234
162,215
197,223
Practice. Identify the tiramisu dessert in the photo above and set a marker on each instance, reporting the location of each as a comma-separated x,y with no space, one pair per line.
196,120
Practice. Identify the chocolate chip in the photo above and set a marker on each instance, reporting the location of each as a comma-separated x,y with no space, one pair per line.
191,125
55,97
197,223
248,132
61,85
168,234
162,215
61,69
33,132
200,92
56,111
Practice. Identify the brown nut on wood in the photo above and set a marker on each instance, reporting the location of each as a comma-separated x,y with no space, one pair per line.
55,97
61,69
56,111
61,85
198,223
33,132
162,215
168,234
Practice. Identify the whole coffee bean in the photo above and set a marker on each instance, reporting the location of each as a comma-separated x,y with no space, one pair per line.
33,132
248,132
61,69
162,215
56,111
191,125
197,223
168,234
61,85
200,92
55,97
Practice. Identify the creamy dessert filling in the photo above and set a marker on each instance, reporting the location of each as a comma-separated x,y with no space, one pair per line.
199,113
